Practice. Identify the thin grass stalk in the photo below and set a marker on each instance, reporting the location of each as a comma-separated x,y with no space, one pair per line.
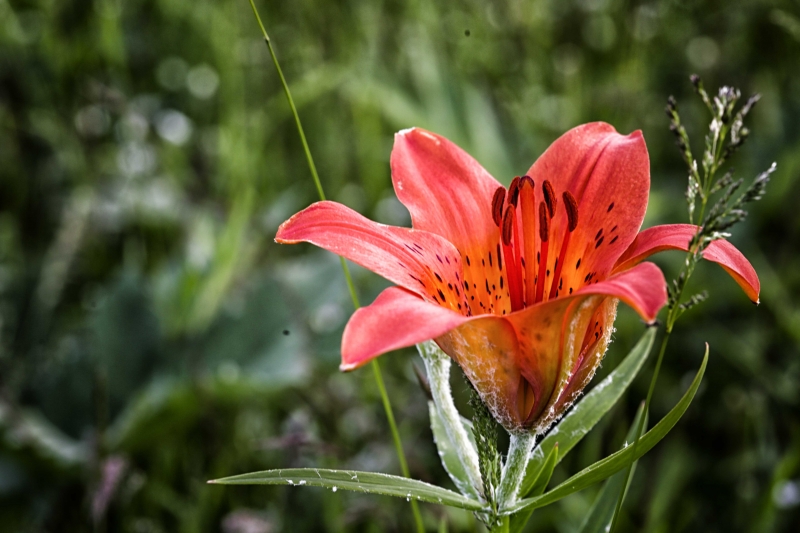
376,369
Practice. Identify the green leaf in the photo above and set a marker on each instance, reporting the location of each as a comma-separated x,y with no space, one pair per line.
586,413
447,452
602,511
369,482
614,463
519,520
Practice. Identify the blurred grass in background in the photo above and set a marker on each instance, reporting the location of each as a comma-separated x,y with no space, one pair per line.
152,335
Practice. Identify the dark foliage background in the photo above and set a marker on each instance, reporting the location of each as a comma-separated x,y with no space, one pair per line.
152,335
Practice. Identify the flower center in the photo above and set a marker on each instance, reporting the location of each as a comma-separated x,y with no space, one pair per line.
520,221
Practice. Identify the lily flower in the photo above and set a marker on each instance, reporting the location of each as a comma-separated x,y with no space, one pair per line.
520,285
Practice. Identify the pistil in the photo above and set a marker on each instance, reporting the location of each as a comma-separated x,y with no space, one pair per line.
544,236
511,256
527,206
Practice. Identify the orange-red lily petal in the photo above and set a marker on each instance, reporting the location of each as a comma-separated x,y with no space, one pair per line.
677,237
520,285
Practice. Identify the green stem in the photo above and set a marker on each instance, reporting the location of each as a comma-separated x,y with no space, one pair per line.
519,451
437,366
502,525
376,369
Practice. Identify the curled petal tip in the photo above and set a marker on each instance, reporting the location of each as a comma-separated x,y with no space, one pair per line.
347,367
677,237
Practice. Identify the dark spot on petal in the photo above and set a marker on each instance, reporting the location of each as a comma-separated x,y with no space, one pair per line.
439,258
597,245
468,263
499,258
441,295
613,229
598,234
570,290
490,258
466,286
438,277
450,286
610,207
501,282
614,240
578,264
286,332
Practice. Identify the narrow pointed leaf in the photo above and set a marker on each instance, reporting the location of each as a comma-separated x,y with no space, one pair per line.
587,412
602,512
612,464
448,454
518,521
369,482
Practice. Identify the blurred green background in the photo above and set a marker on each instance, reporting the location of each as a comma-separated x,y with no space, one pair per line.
153,336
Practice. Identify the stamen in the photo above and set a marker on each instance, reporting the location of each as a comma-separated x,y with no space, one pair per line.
508,225
513,191
510,237
527,199
544,235
550,198
571,206
497,205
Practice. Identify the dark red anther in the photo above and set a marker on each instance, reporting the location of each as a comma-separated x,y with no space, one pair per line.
550,197
497,205
513,191
508,225
544,223
571,205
